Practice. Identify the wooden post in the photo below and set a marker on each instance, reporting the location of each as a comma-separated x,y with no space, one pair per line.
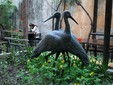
95,14
24,18
107,29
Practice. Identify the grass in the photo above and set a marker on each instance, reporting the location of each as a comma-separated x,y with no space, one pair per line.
19,69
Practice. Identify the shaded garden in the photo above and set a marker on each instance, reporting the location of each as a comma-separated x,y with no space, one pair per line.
17,67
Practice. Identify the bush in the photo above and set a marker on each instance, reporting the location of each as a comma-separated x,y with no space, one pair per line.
19,69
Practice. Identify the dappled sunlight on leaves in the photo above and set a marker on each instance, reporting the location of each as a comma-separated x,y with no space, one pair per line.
41,72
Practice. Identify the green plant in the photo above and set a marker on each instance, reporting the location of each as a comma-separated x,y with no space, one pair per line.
62,74
18,68
6,10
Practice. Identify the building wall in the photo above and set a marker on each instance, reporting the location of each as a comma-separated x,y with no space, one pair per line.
82,30
84,26
36,11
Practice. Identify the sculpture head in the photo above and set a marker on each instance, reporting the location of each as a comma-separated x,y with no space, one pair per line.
67,14
56,15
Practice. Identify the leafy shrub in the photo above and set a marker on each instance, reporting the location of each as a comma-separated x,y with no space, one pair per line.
19,69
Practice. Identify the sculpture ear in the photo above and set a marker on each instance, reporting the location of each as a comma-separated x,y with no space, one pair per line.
73,20
49,18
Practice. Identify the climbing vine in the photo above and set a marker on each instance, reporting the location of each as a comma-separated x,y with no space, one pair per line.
6,9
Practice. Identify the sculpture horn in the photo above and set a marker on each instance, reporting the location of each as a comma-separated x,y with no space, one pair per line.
49,18
73,20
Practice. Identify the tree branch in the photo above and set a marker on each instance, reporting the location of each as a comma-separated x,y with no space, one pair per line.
58,5
78,3
50,5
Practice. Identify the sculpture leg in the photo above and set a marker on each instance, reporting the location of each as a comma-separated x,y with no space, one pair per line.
65,61
56,57
57,54
46,57
68,59
63,53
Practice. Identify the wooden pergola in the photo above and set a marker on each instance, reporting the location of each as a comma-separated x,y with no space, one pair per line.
107,29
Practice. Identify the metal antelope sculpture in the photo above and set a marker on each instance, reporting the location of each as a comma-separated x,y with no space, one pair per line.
74,45
56,15
51,42
64,39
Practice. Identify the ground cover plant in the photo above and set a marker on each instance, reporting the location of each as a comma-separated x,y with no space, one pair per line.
19,69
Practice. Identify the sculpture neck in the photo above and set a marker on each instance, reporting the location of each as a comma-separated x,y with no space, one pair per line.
67,26
57,23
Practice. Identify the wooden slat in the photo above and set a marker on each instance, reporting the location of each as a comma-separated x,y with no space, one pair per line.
96,42
3,42
6,54
10,38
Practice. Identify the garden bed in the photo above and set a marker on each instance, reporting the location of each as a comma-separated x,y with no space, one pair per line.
20,69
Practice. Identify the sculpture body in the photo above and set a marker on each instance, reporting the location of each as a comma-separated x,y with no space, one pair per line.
62,41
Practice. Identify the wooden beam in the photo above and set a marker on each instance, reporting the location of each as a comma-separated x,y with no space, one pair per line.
4,55
95,14
107,29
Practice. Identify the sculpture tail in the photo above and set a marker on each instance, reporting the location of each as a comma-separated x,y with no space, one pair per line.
77,49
